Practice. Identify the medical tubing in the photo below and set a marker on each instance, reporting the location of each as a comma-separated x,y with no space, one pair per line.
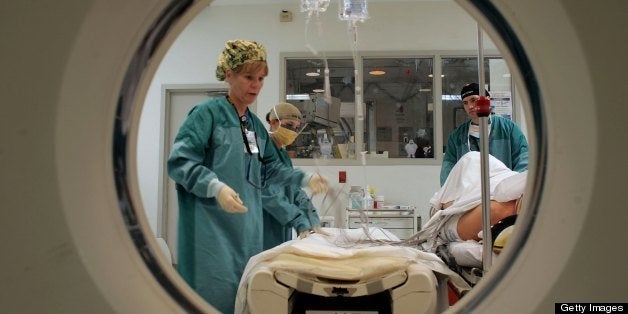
487,245
363,160
353,43
319,27
333,200
306,35
326,84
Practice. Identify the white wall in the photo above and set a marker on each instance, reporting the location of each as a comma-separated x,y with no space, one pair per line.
405,185
416,27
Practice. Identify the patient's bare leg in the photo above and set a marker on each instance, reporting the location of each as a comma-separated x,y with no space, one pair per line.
470,223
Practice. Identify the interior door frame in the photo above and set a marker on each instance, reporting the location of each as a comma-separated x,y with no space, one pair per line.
169,91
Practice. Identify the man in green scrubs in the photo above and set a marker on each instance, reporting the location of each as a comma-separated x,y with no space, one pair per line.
506,140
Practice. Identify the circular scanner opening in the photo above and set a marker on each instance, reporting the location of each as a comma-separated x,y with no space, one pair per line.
127,121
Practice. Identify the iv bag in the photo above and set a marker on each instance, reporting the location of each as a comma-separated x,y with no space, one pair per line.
353,10
314,5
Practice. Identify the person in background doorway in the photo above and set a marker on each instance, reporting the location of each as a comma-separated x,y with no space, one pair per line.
287,206
221,159
506,140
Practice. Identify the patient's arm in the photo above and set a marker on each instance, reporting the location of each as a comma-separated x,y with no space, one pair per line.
470,224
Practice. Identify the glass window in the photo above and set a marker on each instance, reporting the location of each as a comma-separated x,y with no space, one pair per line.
399,113
399,108
398,101
329,114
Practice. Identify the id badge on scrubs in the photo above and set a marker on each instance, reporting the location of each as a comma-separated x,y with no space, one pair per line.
252,142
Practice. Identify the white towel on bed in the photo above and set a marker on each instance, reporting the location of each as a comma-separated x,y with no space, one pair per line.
330,256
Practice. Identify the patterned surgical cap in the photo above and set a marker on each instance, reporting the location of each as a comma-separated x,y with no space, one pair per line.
236,53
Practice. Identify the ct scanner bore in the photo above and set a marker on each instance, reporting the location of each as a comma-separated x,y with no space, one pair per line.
57,172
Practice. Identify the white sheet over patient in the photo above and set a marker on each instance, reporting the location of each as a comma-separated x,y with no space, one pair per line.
464,186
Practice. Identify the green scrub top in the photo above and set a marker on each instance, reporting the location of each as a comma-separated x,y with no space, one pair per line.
286,207
208,152
506,142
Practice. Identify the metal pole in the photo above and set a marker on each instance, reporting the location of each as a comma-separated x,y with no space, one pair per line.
487,248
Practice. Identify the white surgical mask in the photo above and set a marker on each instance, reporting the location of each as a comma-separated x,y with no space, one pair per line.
474,130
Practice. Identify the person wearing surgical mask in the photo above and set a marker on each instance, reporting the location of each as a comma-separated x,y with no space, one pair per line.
506,140
221,160
286,207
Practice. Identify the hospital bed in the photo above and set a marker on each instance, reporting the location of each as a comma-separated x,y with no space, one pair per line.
340,273
322,274
413,290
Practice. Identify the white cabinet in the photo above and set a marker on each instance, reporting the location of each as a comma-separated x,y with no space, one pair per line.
401,222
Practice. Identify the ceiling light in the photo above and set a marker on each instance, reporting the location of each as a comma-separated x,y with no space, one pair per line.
317,73
318,90
377,72
297,97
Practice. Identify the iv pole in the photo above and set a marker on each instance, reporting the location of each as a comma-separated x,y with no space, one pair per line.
483,113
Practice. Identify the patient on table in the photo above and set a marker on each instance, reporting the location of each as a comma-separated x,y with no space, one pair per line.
457,206
356,254
469,225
